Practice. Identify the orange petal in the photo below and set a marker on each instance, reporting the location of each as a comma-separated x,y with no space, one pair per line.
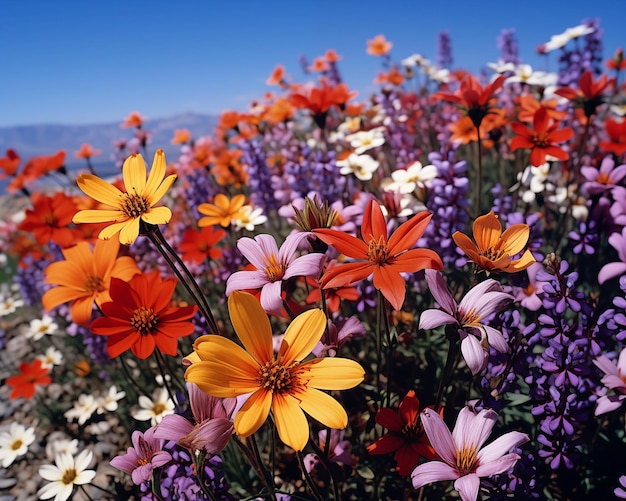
253,413
408,233
514,239
373,225
303,333
251,325
487,230
157,173
291,423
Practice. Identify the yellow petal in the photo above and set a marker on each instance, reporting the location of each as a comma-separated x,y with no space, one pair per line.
161,190
134,174
514,239
323,408
487,230
98,216
157,173
100,190
130,231
157,215
251,325
522,263
111,230
221,378
213,348
291,423
303,333
333,373
253,413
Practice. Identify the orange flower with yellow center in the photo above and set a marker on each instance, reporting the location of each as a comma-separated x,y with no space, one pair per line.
84,277
128,209
283,383
221,211
494,250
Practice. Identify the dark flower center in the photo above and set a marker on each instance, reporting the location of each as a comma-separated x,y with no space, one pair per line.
69,476
273,269
144,320
134,205
377,251
94,284
466,460
275,377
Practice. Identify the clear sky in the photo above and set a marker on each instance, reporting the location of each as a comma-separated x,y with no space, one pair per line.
89,61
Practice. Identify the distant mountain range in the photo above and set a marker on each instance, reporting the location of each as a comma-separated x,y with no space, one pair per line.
34,140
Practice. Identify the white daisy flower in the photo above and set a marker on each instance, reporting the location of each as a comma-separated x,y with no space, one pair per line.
39,328
365,140
51,358
14,443
413,177
67,472
110,400
154,410
83,409
248,218
362,166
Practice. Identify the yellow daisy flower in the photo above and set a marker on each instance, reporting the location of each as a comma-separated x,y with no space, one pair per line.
130,207
221,211
283,383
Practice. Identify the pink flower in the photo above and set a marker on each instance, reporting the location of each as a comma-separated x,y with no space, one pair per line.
479,303
527,296
272,267
142,457
213,426
603,179
614,379
339,450
611,270
465,460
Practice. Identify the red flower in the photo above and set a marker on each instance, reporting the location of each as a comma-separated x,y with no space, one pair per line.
333,296
141,317
590,93
617,136
617,62
318,100
385,258
49,218
474,100
9,164
30,376
406,435
197,245
542,139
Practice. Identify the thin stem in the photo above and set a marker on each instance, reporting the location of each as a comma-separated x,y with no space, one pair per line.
267,477
453,350
479,175
199,464
307,477
323,455
160,362
82,488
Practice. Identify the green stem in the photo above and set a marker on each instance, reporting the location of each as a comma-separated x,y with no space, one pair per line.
199,463
479,175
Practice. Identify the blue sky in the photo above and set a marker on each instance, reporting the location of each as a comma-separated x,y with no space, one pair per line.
89,61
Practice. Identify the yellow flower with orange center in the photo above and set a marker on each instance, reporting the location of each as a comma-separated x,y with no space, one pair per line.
128,209
494,249
282,383
221,211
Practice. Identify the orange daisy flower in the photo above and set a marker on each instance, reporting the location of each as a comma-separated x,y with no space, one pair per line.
31,375
84,277
542,138
378,46
49,218
385,258
277,76
228,169
494,250
221,211
181,136
133,120
86,151
617,62
132,207
140,317
197,245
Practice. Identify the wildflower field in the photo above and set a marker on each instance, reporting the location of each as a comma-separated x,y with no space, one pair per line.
418,294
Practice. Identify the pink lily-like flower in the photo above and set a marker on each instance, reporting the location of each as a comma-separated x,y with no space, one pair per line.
142,457
603,179
272,267
611,270
339,450
465,460
479,303
213,425
614,379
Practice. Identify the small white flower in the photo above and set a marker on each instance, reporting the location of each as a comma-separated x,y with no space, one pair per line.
51,358
413,177
501,67
365,140
362,166
14,443
561,40
248,218
524,74
83,409
61,446
39,328
154,410
110,400
9,300
67,472
414,60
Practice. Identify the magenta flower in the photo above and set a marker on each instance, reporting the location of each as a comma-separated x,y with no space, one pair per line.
465,460
339,450
272,267
142,457
614,379
213,427
603,179
611,270
479,303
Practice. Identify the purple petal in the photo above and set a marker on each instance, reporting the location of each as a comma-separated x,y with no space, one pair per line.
244,280
611,270
497,466
430,319
468,486
173,427
252,251
433,471
439,435
500,446
439,290
473,353
160,458
287,251
606,365
486,303
305,266
142,474
271,299
212,436
608,404
127,462
471,429
496,339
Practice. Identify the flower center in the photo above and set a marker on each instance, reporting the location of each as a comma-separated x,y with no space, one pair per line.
144,320
540,140
466,459
603,178
142,461
492,254
468,318
276,377
273,269
17,443
158,408
94,284
69,476
377,251
134,205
